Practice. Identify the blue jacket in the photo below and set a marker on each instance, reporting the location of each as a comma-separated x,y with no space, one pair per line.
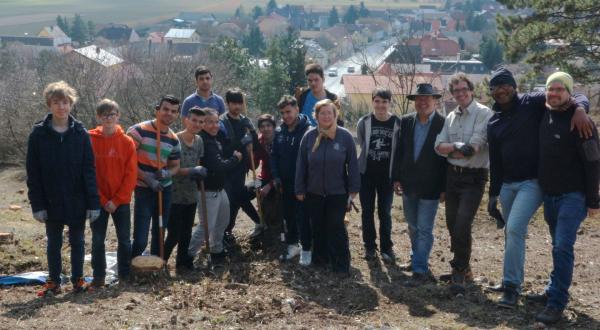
284,151
332,169
61,176
513,138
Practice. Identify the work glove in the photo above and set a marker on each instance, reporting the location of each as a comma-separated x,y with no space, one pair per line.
467,150
92,215
152,183
163,174
495,213
198,173
41,216
246,140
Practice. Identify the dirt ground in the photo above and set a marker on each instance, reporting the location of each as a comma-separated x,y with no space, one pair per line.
255,290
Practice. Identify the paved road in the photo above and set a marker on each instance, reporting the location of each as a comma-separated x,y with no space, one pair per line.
373,55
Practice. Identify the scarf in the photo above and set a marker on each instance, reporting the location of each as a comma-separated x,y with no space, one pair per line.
328,133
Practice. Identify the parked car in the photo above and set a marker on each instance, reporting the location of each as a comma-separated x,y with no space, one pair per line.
332,72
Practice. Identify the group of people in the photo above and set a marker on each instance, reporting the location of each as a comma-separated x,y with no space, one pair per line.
526,144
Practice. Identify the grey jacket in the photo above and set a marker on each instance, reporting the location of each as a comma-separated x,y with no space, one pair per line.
332,169
363,135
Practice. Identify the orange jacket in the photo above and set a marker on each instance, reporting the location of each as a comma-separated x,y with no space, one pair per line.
116,165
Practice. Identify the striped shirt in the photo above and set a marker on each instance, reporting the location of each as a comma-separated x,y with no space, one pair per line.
144,137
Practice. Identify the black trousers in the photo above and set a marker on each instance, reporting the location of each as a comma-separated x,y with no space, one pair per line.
380,186
296,221
239,197
330,238
179,232
464,190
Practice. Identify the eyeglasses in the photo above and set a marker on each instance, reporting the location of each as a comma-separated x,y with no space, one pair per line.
109,115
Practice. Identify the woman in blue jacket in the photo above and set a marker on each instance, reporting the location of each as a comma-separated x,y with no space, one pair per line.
327,177
61,179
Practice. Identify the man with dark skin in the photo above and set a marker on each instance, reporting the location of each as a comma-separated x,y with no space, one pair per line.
514,147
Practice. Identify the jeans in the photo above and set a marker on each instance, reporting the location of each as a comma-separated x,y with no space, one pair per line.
464,191
122,221
146,212
181,221
520,201
420,216
296,221
239,197
330,245
54,232
380,186
564,214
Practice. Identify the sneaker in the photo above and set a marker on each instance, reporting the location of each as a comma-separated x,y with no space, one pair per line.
510,298
407,267
218,258
388,256
79,285
293,250
418,279
540,298
96,284
258,230
228,239
549,315
370,254
51,288
305,258
457,283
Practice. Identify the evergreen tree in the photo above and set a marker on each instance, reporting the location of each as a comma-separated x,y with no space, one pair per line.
560,34
79,31
294,54
62,24
271,6
254,41
333,18
239,12
351,15
491,52
274,80
91,30
257,12
461,43
363,11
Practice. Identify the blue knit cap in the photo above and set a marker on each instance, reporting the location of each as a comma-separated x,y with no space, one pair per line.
502,76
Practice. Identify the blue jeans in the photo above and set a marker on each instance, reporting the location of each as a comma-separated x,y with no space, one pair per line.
420,216
145,210
520,201
54,232
380,186
564,214
122,221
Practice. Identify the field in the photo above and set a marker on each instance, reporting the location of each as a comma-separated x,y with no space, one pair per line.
21,16
256,291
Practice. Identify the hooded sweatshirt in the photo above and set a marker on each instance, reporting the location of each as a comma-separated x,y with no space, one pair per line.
116,165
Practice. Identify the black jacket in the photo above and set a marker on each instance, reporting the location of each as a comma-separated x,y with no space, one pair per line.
217,165
233,132
285,151
61,175
425,178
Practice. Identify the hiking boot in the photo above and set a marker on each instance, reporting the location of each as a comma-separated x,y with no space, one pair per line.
228,239
79,285
549,315
457,283
50,289
305,258
388,256
510,298
293,250
96,284
418,279
540,298
370,254
258,230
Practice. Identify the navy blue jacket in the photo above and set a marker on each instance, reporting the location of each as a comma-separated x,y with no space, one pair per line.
284,151
513,138
61,175
332,169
